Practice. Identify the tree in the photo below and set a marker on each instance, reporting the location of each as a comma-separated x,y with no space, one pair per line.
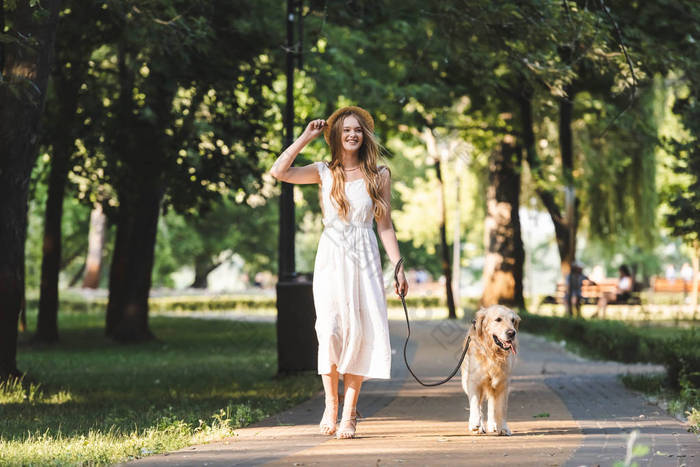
96,241
25,62
505,257
536,61
247,229
684,201
431,144
182,124
684,197
62,126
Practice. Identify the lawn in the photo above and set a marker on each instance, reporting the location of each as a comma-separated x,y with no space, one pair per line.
90,400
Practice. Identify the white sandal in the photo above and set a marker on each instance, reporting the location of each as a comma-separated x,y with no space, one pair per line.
347,428
327,425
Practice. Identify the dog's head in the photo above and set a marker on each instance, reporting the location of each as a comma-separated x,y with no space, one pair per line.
497,327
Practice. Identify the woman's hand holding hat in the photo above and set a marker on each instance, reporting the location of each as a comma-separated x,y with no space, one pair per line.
315,128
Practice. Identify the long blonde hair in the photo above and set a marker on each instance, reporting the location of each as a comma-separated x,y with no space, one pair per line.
369,153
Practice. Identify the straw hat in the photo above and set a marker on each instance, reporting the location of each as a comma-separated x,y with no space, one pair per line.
362,113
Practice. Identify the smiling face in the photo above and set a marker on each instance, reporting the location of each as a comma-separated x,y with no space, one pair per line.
497,326
351,134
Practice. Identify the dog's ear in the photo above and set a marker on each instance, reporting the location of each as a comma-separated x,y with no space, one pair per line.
517,322
478,322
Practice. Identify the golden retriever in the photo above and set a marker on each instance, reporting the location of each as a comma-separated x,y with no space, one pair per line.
486,368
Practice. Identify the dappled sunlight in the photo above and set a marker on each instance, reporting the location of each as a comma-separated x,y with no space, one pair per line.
391,439
16,391
104,446
173,271
197,382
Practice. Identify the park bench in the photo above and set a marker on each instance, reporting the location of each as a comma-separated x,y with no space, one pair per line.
591,293
661,284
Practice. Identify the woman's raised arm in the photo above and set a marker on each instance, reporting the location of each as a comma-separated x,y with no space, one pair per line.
282,169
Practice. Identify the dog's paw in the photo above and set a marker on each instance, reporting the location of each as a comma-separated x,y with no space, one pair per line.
492,427
476,428
504,431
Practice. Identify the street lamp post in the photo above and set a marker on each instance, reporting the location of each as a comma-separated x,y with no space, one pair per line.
297,345
286,219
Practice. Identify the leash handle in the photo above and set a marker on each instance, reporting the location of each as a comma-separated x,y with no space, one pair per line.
396,276
408,336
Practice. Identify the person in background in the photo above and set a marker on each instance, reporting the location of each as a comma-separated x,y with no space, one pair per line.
623,292
574,288
686,272
670,272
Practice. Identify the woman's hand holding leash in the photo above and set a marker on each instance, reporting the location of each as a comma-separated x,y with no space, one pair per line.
400,283
403,286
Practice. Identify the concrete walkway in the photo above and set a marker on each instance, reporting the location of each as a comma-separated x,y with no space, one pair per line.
563,410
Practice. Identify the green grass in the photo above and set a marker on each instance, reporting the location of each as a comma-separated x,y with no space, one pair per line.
88,400
684,402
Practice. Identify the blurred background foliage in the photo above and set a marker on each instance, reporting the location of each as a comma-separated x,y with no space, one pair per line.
447,68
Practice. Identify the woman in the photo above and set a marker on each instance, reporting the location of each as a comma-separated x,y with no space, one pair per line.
351,316
623,292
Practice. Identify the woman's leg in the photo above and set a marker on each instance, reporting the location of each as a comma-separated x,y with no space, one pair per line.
603,301
352,384
330,414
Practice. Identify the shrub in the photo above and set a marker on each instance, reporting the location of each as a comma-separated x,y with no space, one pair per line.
682,360
618,341
219,303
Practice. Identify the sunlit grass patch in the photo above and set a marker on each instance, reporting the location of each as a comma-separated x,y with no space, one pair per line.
107,446
88,400
15,391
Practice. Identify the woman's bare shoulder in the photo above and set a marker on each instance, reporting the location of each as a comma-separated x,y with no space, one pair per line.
384,169
383,175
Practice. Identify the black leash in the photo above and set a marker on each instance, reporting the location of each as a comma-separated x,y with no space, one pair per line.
405,344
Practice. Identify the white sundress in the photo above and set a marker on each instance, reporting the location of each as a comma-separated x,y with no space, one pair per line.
348,287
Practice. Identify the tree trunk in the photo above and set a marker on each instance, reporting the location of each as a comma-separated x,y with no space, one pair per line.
565,225
203,266
431,145
23,316
546,195
96,241
566,109
67,78
76,277
505,256
132,264
457,240
25,72
141,151
444,249
47,323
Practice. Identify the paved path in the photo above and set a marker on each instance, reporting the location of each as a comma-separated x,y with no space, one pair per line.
563,410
